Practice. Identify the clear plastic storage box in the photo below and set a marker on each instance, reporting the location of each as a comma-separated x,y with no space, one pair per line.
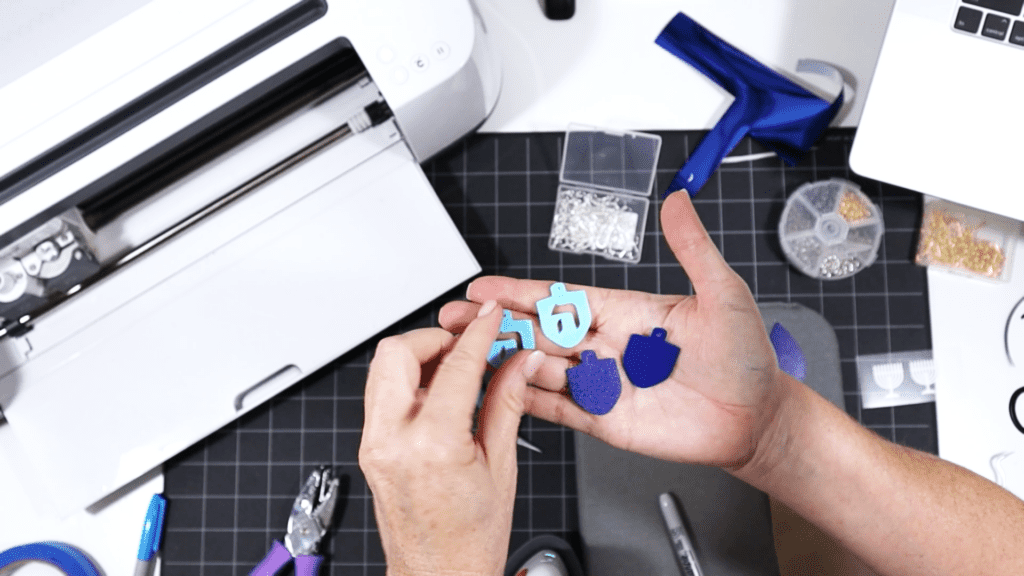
602,201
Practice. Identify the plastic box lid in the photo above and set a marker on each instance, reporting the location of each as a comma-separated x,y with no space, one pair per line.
609,160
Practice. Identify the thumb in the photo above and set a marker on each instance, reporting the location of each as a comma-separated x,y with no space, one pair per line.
691,245
503,408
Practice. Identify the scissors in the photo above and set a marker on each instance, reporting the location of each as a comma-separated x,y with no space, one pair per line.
307,524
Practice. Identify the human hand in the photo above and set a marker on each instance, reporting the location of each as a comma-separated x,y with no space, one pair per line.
443,496
723,393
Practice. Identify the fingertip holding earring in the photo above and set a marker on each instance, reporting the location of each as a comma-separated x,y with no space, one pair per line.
533,362
486,309
503,348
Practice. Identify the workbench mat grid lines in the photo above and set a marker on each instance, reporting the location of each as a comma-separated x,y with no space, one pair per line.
485,186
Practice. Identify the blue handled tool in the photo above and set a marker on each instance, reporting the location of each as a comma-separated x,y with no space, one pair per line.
307,524
152,530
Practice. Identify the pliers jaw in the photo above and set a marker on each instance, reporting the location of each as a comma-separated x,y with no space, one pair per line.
311,513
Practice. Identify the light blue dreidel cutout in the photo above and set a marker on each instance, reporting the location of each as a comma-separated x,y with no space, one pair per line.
649,360
501,350
562,328
594,383
790,355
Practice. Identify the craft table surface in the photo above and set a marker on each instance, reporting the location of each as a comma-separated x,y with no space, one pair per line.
230,495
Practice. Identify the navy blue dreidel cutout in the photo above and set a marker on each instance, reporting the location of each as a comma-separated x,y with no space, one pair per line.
502,349
791,357
649,360
562,328
594,383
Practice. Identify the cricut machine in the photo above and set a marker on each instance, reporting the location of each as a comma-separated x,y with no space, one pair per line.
205,201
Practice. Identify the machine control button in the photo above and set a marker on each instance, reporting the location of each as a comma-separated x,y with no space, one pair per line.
66,237
420,63
13,283
47,251
386,54
441,51
32,264
400,75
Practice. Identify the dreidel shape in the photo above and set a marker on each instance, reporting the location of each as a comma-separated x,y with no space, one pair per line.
594,383
790,355
562,328
502,349
649,360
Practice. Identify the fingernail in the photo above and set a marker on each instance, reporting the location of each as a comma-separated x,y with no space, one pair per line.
469,288
533,362
487,308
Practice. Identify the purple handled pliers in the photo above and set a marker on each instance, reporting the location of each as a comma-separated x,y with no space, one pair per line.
307,524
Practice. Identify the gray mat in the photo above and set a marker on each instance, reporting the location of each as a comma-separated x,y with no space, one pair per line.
730,522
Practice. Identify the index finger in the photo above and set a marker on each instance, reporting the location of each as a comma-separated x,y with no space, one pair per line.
395,372
456,384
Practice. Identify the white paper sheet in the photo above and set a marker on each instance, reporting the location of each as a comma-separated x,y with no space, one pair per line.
974,377
109,536
602,67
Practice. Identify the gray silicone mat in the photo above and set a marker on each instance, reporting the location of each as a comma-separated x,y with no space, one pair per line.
729,522
230,494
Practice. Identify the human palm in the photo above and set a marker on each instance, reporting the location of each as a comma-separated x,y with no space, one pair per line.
717,402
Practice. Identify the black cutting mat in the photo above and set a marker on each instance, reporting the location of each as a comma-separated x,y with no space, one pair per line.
230,495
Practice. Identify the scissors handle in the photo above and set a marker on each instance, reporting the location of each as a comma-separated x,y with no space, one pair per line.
308,565
276,558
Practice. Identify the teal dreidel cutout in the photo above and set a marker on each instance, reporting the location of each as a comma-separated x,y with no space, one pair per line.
594,383
502,349
561,328
649,360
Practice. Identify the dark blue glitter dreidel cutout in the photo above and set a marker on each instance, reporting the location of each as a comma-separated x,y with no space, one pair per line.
562,328
501,350
790,355
649,360
594,383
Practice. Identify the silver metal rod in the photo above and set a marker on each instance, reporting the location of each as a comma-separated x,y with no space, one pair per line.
241,190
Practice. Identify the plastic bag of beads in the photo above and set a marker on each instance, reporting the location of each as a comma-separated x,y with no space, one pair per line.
966,241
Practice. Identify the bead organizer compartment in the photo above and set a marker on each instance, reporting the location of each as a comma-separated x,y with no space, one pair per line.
601,206
830,230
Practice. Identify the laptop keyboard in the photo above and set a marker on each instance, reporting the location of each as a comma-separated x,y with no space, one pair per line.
999,20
